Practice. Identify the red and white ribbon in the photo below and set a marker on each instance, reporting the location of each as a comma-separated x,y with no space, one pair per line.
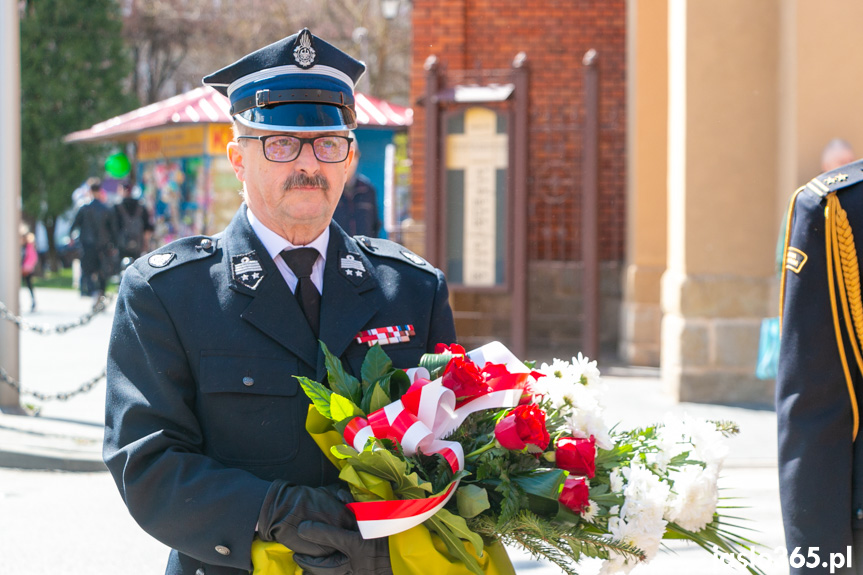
424,415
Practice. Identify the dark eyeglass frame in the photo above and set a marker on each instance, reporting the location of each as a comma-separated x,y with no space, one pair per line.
303,142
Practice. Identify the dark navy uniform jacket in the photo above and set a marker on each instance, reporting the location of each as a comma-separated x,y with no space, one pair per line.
202,408
820,463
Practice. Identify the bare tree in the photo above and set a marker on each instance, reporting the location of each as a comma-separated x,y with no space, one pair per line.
176,42
158,33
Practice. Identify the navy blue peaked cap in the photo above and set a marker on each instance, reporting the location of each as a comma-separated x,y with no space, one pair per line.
298,84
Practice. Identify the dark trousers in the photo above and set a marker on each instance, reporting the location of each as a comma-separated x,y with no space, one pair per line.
94,276
28,279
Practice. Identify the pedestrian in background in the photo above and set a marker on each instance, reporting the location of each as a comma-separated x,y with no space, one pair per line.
205,425
357,210
29,259
96,224
134,228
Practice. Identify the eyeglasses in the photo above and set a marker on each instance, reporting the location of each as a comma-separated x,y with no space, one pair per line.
282,148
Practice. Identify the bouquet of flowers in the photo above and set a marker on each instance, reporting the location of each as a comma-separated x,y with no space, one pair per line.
471,450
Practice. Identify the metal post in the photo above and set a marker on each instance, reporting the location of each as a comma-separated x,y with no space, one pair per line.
10,197
590,206
432,142
518,324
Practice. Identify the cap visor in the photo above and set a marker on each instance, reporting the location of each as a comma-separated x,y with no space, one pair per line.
305,117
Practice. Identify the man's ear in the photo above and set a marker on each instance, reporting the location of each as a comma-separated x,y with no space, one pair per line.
235,156
350,160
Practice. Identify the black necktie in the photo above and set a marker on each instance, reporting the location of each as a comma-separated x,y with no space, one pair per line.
301,261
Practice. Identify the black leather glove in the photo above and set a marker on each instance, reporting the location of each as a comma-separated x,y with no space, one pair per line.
286,506
355,556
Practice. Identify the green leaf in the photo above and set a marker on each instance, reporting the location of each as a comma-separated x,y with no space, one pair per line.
381,463
376,365
512,500
441,527
472,500
435,362
546,483
380,398
343,451
459,527
340,380
318,394
566,516
376,396
342,408
543,506
399,384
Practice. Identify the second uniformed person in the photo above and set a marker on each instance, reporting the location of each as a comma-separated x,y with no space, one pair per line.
821,376
204,428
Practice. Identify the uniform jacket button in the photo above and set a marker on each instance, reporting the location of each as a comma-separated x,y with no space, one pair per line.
248,381
200,571
206,243
222,550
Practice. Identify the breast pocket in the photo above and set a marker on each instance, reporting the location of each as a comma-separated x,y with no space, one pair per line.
250,408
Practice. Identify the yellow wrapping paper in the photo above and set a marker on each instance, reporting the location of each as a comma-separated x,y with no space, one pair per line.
416,551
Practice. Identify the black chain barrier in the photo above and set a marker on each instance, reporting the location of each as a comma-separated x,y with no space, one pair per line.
100,306
62,396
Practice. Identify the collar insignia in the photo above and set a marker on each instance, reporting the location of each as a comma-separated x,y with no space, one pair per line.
304,54
161,260
351,266
246,270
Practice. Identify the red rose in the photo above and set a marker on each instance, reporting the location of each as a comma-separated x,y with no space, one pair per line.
575,494
452,348
576,455
523,426
464,378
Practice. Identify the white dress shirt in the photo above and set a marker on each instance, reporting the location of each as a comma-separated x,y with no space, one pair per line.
276,244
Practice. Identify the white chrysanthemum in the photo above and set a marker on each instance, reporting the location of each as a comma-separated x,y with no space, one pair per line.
671,439
641,520
699,437
615,565
694,497
710,445
615,479
588,369
587,421
560,382
658,459
581,404
589,514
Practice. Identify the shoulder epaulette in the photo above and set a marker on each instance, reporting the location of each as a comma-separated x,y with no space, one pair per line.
387,249
177,253
837,179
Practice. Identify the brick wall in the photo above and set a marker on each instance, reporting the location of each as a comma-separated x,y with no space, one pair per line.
469,36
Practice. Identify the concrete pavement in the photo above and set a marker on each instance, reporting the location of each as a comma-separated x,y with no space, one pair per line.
66,435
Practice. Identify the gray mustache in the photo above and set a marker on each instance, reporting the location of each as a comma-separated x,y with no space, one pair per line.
301,180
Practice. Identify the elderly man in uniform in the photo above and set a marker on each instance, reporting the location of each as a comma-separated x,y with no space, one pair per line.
821,376
205,429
